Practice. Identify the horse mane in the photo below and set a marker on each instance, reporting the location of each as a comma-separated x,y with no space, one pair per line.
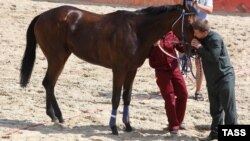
149,11
159,9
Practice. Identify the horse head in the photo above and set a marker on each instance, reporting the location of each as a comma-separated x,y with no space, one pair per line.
183,27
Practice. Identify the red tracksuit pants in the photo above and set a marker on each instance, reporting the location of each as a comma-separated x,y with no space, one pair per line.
174,92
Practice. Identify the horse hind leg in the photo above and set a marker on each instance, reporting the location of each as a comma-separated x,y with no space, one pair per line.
55,67
127,90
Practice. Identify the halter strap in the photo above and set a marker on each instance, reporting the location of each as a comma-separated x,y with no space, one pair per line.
182,18
182,14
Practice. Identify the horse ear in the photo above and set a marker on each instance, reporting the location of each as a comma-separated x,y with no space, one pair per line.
185,5
184,2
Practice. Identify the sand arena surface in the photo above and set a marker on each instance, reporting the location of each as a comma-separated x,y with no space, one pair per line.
84,90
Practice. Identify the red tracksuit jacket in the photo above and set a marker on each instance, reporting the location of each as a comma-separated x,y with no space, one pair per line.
161,61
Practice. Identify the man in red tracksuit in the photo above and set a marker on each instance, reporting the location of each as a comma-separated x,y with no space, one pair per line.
170,80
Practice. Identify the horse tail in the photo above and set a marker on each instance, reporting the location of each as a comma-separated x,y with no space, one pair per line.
29,54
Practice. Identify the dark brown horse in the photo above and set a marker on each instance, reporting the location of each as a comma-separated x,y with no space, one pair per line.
120,41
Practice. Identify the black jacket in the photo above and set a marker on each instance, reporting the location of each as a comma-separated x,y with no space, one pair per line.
215,60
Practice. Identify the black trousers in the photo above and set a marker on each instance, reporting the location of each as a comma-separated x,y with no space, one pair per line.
222,104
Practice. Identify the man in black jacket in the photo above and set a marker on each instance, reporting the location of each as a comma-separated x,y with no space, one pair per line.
219,74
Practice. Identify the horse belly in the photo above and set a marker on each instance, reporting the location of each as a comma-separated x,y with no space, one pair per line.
92,57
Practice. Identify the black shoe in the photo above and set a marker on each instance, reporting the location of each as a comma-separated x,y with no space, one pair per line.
182,127
174,133
209,138
198,96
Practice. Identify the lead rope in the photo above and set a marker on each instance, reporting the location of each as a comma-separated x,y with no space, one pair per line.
184,64
178,59
191,68
184,61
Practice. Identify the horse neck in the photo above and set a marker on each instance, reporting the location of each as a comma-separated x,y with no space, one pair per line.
152,28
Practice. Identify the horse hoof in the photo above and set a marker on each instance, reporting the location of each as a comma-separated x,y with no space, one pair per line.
61,120
128,127
54,119
114,130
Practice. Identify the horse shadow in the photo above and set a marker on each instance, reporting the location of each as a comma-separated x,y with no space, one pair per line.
87,131
134,96
203,127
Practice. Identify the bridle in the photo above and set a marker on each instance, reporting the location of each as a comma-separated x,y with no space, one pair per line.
182,18
187,58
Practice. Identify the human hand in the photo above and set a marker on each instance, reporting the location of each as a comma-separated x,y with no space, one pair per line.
157,43
195,43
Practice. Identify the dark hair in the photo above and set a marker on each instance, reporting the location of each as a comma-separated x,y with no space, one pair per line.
201,25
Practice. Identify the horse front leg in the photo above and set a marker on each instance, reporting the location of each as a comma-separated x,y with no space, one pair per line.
118,79
127,90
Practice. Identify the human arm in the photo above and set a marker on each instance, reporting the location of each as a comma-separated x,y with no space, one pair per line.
212,53
179,47
207,8
172,40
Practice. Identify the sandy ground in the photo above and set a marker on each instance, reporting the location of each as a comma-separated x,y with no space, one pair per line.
83,90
